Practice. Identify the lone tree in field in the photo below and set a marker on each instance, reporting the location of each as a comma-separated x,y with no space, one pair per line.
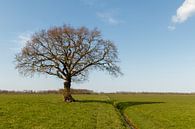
68,53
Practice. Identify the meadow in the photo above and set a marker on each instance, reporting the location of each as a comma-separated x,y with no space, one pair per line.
157,111
97,111
26,111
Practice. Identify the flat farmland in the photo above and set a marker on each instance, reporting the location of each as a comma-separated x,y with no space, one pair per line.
98,111
157,111
50,112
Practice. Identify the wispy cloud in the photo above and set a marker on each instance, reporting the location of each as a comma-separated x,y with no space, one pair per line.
171,27
21,40
109,17
184,12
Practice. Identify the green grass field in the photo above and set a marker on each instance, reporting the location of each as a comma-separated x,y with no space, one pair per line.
144,111
50,112
154,111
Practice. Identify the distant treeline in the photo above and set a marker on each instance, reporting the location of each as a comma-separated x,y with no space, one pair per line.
73,91
78,91
82,91
123,92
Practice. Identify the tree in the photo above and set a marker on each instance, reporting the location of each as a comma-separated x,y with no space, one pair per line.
68,53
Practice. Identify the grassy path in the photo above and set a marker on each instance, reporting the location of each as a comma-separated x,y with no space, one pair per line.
123,117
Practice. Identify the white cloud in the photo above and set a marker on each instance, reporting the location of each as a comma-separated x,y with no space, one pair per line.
109,17
171,27
186,10
21,40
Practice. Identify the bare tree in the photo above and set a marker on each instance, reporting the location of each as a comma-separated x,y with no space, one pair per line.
68,53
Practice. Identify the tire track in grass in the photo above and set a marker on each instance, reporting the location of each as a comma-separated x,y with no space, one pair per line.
124,118
97,122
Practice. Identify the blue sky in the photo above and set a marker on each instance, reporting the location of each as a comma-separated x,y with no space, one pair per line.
155,39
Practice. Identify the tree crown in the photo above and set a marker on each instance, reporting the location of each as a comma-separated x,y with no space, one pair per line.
68,53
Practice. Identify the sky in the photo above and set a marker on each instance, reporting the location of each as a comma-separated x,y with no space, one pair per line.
155,39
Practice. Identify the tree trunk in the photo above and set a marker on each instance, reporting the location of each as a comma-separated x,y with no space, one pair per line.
67,95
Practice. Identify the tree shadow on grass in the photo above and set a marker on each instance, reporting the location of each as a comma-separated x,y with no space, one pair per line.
119,105
124,105
95,101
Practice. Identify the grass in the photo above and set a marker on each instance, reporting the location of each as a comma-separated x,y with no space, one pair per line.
50,112
155,111
144,111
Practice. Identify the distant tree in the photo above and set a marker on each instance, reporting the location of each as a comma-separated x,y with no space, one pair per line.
68,53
